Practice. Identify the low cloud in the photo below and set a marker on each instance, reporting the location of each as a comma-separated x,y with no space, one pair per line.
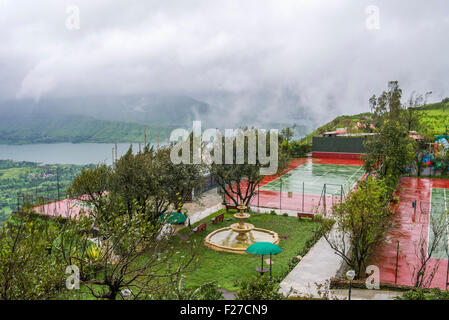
262,60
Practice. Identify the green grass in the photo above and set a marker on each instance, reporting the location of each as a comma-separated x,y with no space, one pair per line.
226,268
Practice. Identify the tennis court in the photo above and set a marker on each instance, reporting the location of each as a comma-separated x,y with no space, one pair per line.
309,185
313,177
438,208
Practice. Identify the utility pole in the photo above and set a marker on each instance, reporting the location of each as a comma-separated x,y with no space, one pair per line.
113,157
57,180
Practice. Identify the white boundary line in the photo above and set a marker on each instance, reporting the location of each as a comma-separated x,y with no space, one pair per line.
349,179
430,215
315,180
430,218
445,217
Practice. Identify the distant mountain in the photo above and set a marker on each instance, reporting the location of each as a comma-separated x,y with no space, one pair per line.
96,119
123,118
151,109
52,128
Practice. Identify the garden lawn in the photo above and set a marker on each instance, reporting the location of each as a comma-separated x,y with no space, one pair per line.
227,268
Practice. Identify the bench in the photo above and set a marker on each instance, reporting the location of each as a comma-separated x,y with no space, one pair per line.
228,207
218,218
305,215
199,228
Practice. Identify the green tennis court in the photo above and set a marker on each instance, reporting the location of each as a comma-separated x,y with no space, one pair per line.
310,178
438,208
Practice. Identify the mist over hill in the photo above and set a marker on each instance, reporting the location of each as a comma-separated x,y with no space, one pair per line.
124,118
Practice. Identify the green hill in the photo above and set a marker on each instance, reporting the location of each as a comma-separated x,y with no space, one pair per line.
344,121
51,128
434,119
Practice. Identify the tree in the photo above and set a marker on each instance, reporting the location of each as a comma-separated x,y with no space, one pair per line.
362,222
176,181
240,180
130,252
28,270
420,153
391,149
91,185
285,137
428,246
147,178
389,152
445,101
412,112
387,105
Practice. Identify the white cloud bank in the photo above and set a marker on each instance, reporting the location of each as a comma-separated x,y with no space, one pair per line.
246,57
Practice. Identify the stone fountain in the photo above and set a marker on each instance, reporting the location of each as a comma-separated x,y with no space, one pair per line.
239,236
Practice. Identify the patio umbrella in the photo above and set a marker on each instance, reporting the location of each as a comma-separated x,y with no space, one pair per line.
173,217
264,248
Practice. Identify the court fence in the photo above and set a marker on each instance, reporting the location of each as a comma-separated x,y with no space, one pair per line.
310,198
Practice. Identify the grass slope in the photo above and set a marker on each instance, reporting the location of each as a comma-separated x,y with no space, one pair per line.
435,118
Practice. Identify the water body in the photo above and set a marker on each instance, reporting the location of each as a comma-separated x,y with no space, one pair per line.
64,153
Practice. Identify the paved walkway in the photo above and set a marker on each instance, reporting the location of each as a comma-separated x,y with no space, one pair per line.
316,267
209,203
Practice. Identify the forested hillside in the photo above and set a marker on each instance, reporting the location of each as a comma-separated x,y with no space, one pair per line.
51,128
22,180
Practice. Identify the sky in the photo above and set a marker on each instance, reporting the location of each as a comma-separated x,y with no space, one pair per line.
252,58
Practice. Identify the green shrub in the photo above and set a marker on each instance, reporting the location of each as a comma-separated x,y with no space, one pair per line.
259,288
422,294
206,291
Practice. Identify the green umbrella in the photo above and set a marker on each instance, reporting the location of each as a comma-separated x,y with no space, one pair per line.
172,217
264,248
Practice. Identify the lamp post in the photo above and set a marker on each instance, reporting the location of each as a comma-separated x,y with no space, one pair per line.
350,275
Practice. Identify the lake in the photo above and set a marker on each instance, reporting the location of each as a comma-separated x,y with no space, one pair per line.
63,153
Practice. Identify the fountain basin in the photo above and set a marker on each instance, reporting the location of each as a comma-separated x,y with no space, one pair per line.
227,240
242,228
